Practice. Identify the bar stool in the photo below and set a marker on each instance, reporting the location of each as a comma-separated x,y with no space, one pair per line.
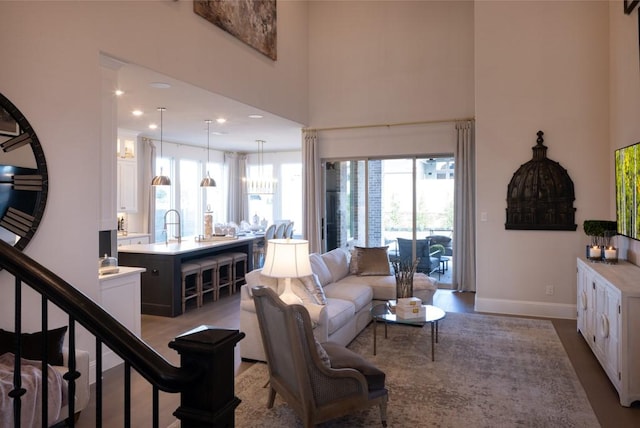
224,276
208,277
239,269
190,291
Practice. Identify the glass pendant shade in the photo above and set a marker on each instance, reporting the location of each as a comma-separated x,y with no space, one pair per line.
161,180
208,181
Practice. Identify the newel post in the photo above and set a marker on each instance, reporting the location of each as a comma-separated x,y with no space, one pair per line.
210,401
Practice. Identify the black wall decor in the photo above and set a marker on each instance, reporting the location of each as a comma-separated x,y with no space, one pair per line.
540,195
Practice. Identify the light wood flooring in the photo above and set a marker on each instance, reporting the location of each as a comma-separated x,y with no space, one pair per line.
159,331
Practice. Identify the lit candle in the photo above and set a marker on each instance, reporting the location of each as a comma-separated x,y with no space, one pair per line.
610,253
594,252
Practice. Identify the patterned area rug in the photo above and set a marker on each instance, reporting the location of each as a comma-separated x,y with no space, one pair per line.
490,371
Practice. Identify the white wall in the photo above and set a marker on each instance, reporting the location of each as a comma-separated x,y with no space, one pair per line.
380,62
539,66
51,72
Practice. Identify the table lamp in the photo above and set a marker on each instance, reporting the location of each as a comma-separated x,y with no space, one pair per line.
287,258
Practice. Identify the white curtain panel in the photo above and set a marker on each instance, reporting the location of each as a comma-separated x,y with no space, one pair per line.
464,240
149,169
243,160
234,196
311,190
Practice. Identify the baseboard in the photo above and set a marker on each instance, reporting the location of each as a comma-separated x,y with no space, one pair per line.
109,360
526,308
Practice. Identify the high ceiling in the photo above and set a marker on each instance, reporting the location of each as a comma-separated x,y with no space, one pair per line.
187,108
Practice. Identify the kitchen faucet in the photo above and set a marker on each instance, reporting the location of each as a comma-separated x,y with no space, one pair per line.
166,234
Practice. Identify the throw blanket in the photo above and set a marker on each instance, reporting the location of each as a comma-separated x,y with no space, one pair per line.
31,401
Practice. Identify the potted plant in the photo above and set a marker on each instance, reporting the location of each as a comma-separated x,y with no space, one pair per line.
600,233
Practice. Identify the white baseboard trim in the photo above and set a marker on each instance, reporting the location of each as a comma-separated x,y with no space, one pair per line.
109,360
526,308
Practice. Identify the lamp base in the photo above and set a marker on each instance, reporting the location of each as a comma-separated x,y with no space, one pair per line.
288,296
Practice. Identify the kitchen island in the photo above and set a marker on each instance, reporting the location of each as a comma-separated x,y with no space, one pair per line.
161,283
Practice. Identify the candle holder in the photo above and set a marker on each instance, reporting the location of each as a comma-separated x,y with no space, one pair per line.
610,254
594,253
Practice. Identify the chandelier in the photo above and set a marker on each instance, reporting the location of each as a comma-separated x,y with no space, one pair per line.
260,185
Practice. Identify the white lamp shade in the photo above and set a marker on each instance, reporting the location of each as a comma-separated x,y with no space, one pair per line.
287,258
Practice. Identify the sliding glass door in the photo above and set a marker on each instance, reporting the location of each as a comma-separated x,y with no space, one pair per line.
405,204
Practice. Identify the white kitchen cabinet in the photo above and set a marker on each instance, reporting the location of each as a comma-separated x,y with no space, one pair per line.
120,296
608,317
132,239
127,199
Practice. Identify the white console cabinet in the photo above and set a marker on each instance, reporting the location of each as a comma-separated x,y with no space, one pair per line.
120,296
608,318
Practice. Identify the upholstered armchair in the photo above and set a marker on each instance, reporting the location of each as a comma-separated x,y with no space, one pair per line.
312,386
428,262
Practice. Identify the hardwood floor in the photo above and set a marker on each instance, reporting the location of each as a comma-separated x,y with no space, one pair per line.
159,331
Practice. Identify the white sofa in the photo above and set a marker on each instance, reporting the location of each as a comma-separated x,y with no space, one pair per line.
349,301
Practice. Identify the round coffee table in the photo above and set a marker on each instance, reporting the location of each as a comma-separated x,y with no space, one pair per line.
382,313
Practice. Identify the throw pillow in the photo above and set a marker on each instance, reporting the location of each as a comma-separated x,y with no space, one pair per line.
32,345
353,262
373,261
319,267
312,285
324,357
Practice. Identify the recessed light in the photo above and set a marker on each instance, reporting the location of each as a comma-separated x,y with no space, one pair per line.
137,112
256,116
160,85
221,120
218,133
153,126
119,92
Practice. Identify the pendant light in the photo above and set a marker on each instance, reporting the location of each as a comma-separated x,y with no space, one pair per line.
161,180
208,181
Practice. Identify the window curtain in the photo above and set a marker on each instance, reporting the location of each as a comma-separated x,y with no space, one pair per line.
149,162
311,193
235,194
464,240
243,166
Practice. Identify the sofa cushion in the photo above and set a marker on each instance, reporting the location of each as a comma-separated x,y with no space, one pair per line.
372,261
31,344
358,294
339,313
337,261
319,267
344,358
382,287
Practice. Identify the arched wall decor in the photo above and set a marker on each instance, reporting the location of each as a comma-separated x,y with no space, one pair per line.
540,195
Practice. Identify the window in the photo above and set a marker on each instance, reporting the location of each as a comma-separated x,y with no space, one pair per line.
374,202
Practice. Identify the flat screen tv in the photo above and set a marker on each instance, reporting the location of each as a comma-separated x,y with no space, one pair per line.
627,163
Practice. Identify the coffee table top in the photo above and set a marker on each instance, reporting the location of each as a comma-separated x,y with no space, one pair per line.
382,312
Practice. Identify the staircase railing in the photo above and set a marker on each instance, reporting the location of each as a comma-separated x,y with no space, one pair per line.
198,377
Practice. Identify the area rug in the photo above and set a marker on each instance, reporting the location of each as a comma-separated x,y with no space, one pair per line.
489,371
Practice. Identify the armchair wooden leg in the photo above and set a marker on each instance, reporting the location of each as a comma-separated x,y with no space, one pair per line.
383,412
272,398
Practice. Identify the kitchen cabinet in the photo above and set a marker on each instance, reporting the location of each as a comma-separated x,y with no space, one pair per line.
133,239
127,198
608,317
120,297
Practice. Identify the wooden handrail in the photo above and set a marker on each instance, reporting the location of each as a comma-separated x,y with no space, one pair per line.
151,365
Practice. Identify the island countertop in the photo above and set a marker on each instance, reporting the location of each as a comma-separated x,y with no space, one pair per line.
187,245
